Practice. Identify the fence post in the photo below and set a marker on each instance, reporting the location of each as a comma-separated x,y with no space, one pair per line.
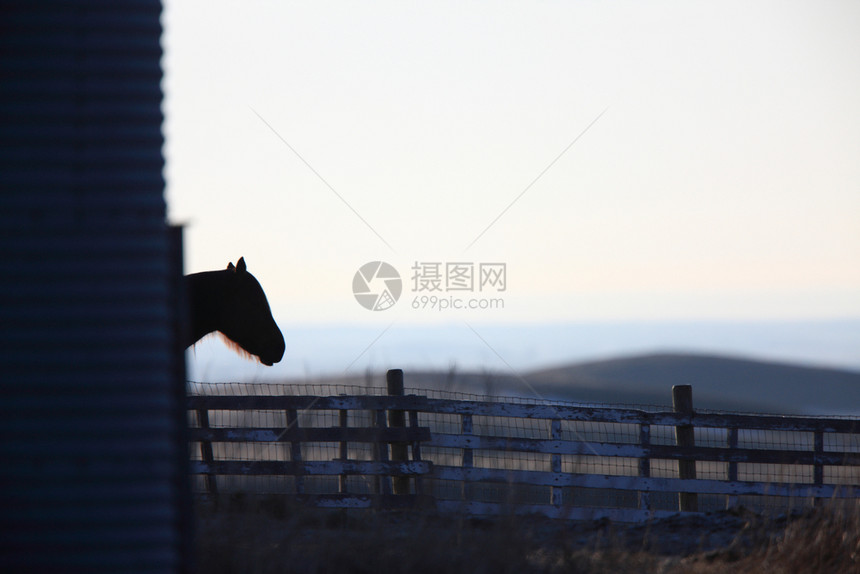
343,421
397,418
466,430
818,468
732,499
383,482
206,452
682,402
296,451
556,492
645,464
416,451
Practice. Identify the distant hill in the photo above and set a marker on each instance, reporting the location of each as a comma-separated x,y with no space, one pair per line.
718,383
722,383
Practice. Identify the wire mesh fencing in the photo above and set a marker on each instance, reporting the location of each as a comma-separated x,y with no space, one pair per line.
485,454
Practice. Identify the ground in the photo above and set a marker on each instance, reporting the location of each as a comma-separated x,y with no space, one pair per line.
266,536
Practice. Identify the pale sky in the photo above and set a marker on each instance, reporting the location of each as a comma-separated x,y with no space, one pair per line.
722,180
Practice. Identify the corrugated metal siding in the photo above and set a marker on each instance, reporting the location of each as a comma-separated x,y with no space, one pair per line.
90,440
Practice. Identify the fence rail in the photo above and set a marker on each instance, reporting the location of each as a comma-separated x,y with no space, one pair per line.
484,457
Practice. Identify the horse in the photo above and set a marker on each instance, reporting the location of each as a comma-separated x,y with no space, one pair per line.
232,303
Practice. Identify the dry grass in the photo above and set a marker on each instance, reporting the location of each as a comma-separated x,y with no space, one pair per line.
822,540
271,535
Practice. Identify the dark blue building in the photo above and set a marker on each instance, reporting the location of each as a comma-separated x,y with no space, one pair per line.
92,456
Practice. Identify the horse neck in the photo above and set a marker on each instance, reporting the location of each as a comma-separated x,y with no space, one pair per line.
205,298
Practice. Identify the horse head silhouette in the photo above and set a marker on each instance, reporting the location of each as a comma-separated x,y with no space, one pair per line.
232,303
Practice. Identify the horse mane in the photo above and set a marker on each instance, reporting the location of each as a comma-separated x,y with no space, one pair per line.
227,341
237,348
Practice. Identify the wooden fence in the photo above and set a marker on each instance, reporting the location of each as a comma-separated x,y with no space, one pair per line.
481,457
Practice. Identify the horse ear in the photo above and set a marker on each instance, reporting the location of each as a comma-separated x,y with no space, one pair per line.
230,267
240,265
